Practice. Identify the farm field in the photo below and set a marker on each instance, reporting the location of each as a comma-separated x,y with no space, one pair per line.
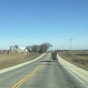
8,60
79,58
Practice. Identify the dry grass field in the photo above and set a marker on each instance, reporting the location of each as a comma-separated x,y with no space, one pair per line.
79,58
8,60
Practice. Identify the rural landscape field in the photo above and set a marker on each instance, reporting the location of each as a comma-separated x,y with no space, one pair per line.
8,60
79,58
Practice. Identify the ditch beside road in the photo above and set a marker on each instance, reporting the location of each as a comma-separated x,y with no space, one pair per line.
78,58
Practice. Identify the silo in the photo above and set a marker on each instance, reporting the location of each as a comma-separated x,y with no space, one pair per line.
11,48
19,51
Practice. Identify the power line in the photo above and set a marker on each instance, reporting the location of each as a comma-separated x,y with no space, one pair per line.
81,34
76,37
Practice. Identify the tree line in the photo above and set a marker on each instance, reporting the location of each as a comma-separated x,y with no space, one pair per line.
39,48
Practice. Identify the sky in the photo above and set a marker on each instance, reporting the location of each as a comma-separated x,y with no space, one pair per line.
33,22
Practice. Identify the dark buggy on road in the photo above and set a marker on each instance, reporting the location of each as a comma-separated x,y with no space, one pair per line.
54,55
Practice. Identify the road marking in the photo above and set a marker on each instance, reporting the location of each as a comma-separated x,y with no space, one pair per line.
75,76
73,73
18,84
20,65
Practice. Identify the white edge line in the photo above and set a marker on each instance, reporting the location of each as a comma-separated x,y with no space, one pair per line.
74,74
20,65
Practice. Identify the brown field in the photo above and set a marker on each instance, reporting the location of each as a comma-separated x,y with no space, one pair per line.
8,60
79,58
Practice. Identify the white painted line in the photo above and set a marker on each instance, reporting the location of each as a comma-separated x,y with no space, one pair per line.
20,65
77,70
74,75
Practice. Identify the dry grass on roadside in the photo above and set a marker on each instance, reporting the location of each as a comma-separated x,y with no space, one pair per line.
79,58
7,60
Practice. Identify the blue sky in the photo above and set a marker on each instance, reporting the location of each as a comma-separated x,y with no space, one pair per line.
29,22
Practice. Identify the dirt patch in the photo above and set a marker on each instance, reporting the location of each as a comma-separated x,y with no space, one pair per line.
8,60
78,58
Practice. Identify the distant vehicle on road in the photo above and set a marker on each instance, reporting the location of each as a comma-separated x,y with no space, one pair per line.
54,55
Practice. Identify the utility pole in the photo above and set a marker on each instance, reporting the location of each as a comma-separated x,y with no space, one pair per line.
62,47
59,48
70,45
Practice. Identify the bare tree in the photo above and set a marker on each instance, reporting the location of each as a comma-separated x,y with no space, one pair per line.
29,48
39,48
35,48
44,47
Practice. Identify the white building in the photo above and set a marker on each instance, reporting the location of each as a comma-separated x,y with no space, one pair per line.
23,50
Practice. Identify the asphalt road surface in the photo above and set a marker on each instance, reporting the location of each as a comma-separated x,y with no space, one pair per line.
43,73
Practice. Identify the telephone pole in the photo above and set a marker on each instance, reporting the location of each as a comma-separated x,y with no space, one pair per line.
70,44
62,47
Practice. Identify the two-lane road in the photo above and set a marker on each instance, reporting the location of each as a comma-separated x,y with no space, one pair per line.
43,73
